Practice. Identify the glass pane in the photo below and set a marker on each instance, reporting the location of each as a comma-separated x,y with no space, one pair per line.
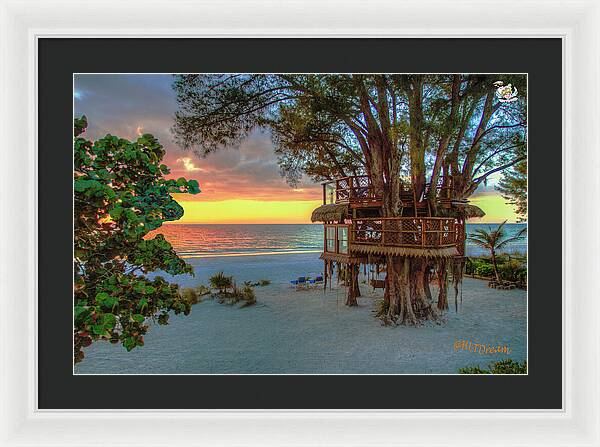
330,232
343,239
331,245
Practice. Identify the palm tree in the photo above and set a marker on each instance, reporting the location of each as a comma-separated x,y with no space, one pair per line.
494,241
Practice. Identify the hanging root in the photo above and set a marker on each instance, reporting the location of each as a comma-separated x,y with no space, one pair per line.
457,266
442,280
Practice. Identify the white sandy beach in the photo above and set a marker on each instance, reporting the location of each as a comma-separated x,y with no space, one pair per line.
311,331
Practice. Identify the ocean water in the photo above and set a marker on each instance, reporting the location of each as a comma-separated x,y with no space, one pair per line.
202,241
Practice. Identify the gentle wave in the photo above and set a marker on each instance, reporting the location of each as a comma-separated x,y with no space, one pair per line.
210,241
257,253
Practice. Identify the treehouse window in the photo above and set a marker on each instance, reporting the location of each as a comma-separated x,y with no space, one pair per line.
331,239
343,239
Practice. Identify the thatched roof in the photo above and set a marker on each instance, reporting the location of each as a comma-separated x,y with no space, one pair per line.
330,213
473,211
344,259
446,252
469,210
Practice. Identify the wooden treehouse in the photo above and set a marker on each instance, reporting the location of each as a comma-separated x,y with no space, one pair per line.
355,231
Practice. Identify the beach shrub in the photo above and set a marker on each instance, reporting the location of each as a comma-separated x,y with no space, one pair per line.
247,296
485,270
507,366
202,290
469,266
473,263
512,270
191,295
120,195
221,282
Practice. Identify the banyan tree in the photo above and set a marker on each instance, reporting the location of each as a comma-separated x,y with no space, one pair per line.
398,155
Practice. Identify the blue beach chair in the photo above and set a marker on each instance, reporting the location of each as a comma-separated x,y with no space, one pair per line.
302,283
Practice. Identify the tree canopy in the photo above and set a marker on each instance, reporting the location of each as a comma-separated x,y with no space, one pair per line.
389,126
120,196
513,187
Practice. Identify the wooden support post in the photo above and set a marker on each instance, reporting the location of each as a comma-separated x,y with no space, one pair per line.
324,194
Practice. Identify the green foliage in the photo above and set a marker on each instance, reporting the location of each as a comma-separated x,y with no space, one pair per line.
513,186
191,296
511,267
247,296
494,240
322,124
473,263
485,270
221,282
513,270
120,195
507,366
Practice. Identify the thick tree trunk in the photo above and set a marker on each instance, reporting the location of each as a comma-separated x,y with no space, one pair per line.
353,289
426,283
495,265
356,282
405,292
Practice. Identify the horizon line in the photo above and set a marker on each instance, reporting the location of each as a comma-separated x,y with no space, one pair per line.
294,223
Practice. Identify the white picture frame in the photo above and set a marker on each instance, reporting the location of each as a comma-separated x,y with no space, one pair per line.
577,23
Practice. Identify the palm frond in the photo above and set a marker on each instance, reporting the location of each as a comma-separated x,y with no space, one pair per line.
481,242
505,242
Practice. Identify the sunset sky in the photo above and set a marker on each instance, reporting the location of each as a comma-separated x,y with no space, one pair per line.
239,184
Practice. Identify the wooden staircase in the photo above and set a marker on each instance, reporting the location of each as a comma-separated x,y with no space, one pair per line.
422,208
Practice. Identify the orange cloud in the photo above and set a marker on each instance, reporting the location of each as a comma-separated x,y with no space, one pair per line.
188,164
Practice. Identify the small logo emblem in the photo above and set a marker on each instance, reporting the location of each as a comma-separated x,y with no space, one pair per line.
505,93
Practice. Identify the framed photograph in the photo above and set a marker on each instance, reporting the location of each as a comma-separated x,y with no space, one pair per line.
294,224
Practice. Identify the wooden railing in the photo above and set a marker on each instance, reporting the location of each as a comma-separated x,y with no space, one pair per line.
355,189
360,189
419,232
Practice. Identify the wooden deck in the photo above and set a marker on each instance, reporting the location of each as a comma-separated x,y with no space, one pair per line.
389,234
359,191
415,232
